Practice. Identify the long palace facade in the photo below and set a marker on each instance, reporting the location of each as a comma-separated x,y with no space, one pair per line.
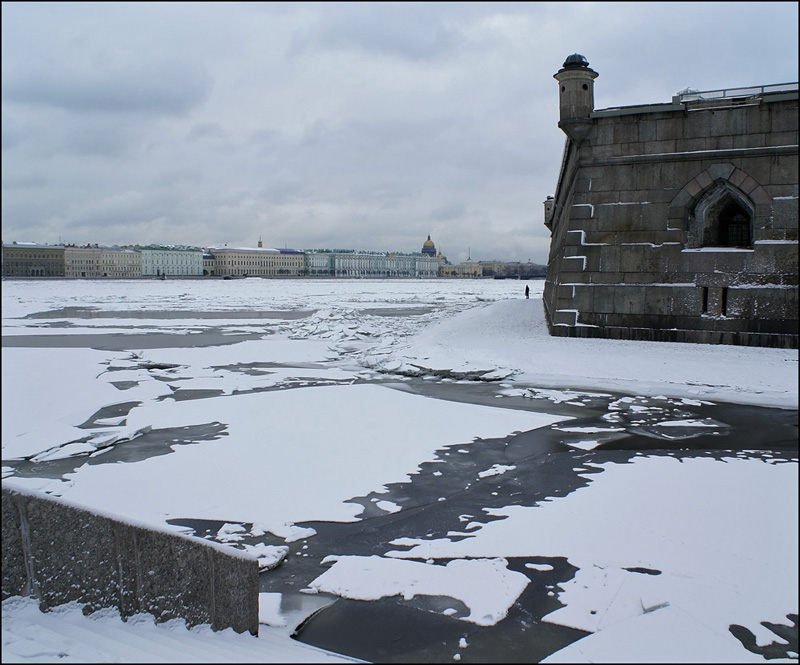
95,261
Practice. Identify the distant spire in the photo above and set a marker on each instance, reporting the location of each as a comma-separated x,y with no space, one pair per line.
260,244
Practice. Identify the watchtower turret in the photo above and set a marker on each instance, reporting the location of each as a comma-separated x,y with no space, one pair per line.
576,95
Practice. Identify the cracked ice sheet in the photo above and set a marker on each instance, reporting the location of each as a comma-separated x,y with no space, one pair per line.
39,415
197,365
485,586
133,326
274,348
727,556
229,382
290,456
513,334
39,412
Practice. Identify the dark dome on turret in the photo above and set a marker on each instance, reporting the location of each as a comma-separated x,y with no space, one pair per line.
574,61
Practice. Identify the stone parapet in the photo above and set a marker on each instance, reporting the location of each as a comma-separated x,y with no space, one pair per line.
59,552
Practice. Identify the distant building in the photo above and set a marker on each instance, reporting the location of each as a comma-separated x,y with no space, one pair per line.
72,261
676,221
318,263
368,264
209,263
468,268
121,262
442,258
256,262
83,261
28,259
359,264
170,260
96,261
514,269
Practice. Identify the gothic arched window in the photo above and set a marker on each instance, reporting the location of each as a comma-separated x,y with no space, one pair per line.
733,226
722,218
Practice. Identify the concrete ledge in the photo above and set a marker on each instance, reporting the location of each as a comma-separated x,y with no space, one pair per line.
770,340
58,552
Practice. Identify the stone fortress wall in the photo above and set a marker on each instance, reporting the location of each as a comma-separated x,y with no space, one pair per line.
678,221
58,552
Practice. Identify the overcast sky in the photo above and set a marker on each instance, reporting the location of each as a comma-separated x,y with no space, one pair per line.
328,125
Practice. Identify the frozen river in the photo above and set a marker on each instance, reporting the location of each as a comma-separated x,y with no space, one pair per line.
421,471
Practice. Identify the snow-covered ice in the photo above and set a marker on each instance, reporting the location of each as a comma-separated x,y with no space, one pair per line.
306,402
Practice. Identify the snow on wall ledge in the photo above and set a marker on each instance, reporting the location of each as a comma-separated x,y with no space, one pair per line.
57,553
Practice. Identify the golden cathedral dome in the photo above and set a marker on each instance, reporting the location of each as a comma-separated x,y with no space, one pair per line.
428,247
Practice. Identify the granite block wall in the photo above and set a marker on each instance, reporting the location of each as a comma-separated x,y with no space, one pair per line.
58,552
628,238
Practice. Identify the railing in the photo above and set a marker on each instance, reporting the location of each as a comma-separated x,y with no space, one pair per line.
689,95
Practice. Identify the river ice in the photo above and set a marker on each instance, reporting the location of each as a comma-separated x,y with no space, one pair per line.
421,448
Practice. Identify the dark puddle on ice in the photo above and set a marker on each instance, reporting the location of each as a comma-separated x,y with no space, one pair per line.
93,313
424,629
259,368
450,493
391,630
785,646
124,341
398,311
152,443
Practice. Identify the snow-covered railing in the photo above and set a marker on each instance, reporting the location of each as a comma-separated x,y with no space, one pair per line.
689,95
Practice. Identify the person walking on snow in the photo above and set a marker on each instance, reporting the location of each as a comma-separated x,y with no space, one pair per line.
527,292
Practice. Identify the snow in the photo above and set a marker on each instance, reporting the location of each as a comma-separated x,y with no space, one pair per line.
266,437
493,588
604,594
65,635
516,337
322,390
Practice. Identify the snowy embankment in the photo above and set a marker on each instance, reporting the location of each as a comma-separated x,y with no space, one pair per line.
509,338
65,635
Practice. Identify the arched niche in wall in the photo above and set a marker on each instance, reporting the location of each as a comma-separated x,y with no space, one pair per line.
722,217
712,208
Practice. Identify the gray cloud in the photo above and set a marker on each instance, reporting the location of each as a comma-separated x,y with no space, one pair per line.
361,125
377,29
166,88
23,181
205,130
454,210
